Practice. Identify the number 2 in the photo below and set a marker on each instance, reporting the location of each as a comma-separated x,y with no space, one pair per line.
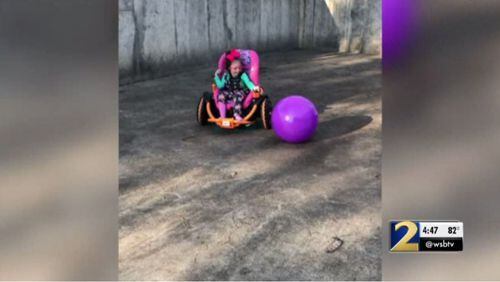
403,245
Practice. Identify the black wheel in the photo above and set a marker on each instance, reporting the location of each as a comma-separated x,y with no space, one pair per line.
201,111
266,107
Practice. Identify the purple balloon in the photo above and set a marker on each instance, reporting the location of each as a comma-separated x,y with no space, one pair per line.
294,119
399,25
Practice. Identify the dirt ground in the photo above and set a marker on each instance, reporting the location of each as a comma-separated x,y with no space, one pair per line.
206,203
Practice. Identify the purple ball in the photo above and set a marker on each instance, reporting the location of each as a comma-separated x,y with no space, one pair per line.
294,119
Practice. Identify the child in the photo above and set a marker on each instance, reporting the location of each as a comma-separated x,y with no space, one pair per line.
233,86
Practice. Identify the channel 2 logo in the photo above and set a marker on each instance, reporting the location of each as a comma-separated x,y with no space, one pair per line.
426,236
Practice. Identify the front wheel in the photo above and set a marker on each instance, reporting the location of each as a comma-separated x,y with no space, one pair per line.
201,112
265,113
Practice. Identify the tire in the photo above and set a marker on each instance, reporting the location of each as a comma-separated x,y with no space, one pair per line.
266,107
201,111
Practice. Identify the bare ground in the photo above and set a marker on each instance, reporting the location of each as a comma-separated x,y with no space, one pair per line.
206,203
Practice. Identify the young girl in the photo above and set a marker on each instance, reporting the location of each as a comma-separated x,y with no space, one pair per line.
233,86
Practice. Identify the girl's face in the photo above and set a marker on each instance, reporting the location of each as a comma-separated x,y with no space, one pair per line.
235,68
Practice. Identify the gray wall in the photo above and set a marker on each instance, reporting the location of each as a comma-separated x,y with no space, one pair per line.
358,24
157,37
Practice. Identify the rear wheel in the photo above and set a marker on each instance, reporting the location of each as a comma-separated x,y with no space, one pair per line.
201,112
266,107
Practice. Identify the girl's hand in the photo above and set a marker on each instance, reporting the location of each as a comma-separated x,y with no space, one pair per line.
256,92
217,72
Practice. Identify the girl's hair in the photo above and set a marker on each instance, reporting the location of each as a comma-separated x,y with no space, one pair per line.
231,56
229,63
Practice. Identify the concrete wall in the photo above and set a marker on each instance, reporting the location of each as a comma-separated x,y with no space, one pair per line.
157,37
359,24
